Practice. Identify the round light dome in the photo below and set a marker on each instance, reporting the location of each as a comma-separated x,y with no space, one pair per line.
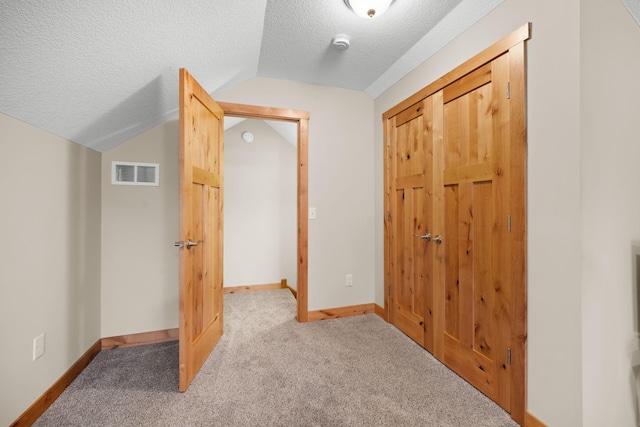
369,8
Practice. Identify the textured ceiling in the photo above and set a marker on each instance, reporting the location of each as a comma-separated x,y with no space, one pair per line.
300,37
100,72
633,6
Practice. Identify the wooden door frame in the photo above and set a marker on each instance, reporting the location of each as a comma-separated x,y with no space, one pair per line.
301,118
514,44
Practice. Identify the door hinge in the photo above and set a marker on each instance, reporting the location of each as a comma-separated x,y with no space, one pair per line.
509,223
509,356
389,290
388,216
508,90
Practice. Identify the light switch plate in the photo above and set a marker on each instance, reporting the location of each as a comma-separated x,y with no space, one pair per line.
38,347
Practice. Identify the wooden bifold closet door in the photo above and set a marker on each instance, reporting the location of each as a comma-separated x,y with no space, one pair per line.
455,220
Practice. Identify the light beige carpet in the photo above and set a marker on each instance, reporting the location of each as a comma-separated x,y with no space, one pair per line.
269,370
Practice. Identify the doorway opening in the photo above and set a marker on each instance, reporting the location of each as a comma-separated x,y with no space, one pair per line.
260,205
301,120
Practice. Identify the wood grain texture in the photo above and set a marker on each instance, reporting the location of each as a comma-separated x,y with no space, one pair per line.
409,181
503,45
303,221
466,84
336,313
477,319
201,176
478,304
257,288
34,411
380,311
142,338
532,421
518,135
502,239
259,112
254,288
439,223
429,136
389,135
410,113
201,212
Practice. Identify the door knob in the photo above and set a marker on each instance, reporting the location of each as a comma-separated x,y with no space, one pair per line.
425,236
437,238
190,243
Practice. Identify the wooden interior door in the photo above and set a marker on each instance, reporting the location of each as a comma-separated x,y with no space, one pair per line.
201,173
472,181
410,163
465,287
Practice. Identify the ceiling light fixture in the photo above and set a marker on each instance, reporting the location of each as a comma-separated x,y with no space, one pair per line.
369,8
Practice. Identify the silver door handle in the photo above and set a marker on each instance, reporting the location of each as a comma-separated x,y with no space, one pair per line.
437,239
190,243
179,244
425,236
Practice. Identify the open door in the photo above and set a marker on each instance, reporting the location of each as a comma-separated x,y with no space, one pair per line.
201,172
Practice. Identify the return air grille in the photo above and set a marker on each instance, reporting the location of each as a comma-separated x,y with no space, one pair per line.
127,173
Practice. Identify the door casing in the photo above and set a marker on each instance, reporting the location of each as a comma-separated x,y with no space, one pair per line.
301,118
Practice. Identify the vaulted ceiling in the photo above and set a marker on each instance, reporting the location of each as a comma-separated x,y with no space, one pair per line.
99,72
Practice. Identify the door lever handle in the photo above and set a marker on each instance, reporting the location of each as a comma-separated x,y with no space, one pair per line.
438,239
425,236
191,243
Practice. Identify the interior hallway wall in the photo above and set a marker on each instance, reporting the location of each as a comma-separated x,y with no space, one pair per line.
341,153
139,227
610,152
49,259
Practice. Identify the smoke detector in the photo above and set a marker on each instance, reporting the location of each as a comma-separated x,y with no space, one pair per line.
247,137
341,42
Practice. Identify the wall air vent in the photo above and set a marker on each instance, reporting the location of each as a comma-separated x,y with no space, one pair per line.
128,173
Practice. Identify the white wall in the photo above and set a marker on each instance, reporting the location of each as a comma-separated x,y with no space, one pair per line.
139,227
554,207
341,172
140,224
260,206
49,259
610,105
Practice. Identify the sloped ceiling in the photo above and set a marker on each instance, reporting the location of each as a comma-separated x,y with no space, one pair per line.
100,72
633,6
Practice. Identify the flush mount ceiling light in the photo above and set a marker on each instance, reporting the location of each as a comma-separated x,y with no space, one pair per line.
369,8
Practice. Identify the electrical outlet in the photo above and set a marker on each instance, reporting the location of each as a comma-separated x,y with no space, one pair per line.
349,281
38,347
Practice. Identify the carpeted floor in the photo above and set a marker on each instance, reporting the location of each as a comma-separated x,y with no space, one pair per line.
269,370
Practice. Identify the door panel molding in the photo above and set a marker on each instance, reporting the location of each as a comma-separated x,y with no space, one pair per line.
504,45
201,218
486,155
